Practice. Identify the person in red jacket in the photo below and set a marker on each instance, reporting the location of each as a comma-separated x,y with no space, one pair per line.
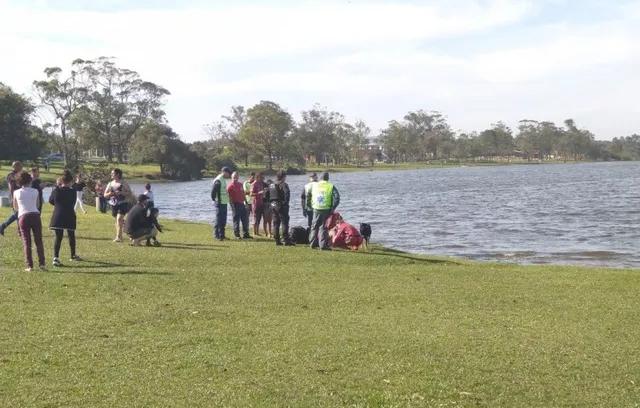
237,201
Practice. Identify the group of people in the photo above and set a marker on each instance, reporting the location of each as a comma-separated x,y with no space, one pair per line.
269,202
26,192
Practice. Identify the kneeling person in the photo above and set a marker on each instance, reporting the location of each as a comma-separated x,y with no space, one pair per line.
138,225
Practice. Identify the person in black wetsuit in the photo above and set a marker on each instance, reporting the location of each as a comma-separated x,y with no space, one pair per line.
278,195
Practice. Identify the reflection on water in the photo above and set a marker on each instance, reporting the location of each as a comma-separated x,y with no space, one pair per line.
585,214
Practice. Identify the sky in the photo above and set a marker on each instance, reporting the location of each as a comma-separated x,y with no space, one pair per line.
476,61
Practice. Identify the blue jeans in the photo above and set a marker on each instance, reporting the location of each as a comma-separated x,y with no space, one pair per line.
319,236
221,220
240,216
12,218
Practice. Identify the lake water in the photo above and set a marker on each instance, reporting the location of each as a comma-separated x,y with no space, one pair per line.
586,214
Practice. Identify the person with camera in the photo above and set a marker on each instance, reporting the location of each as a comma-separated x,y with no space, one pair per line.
278,196
118,192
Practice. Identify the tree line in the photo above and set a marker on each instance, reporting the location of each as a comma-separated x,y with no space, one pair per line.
100,110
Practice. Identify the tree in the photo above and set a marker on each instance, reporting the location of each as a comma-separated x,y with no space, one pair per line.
158,143
118,103
266,129
227,132
18,138
320,133
63,97
497,141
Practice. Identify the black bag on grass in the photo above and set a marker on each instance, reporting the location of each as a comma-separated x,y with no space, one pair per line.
299,235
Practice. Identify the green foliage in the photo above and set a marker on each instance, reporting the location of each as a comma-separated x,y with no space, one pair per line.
266,130
197,323
156,143
19,140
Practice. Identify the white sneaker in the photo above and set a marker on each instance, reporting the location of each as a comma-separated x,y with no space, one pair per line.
117,240
28,269
56,262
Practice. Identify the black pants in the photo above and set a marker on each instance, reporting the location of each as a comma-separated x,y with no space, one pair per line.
281,217
71,234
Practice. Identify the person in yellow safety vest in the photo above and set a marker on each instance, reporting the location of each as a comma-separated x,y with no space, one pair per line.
247,190
307,210
325,198
220,198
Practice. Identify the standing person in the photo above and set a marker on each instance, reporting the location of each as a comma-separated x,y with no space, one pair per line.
37,184
257,203
26,202
235,189
12,184
324,199
63,198
79,186
220,197
278,196
46,165
307,210
118,192
247,192
101,202
149,194
267,214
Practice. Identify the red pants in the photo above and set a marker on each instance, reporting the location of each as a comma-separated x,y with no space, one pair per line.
27,223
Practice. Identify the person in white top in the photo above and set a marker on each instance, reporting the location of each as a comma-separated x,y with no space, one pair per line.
26,203
79,186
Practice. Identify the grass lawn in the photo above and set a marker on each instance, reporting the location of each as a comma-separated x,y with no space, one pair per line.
198,323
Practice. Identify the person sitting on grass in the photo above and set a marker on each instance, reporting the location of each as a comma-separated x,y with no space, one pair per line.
137,224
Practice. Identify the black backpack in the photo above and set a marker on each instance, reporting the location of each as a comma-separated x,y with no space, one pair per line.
299,235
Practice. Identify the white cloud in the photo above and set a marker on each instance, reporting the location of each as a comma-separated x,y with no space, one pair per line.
371,60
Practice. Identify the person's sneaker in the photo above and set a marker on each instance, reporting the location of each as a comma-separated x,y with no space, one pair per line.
289,243
56,262
117,240
43,268
279,243
75,258
326,249
2,230
247,237
156,243
28,269
148,243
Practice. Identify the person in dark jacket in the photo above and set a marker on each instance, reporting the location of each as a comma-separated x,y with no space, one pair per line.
138,224
12,184
278,196
37,184
63,199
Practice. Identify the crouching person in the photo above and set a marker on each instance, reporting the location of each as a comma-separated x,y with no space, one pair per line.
139,225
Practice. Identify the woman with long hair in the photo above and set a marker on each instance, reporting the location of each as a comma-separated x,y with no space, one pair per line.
63,198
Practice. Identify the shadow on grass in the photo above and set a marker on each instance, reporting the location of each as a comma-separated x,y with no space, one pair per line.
405,255
94,239
196,247
64,270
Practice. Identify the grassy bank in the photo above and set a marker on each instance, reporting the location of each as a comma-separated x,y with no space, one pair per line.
198,323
